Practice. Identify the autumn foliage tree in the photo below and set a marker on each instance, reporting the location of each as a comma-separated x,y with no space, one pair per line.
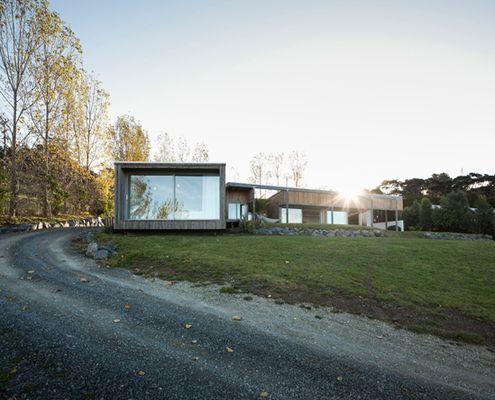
130,140
55,148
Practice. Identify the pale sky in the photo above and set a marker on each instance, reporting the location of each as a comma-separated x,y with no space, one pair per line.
369,90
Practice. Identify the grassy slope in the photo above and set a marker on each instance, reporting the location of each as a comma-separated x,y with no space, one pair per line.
437,279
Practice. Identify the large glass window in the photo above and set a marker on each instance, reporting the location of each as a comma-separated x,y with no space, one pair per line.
339,217
151,197
197,197
170,197
295,215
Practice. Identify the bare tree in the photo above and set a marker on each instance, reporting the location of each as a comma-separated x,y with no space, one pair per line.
183,150
200,153
298,163
165,149
170,150
92,137
19,40
260,169
278,166
233,174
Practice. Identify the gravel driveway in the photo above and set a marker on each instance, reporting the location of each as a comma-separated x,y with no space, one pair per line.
70,329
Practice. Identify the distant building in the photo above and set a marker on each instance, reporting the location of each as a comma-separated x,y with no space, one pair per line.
195,196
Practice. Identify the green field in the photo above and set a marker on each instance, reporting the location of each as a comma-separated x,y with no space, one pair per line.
441,287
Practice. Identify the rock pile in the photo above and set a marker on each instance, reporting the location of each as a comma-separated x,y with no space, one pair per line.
99,252
456,236
296,231
87,222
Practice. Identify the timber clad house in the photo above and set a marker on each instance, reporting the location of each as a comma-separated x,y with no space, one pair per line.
195,196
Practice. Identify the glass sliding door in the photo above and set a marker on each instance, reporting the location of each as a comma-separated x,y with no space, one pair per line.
197,197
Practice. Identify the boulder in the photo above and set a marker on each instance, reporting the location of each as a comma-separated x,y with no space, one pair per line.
110,246
101,254
92,249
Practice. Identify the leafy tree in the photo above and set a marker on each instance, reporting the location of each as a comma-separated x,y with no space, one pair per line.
437,186
425,214
485,216
55,64
411,216
452,216
131,141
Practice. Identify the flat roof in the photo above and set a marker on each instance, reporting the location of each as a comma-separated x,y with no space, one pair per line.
178,165
305,190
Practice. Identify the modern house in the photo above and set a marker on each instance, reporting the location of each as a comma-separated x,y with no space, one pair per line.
195,196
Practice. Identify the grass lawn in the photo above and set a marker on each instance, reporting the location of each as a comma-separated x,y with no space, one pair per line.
441,287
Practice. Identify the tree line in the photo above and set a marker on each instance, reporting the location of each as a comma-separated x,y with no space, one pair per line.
57,143
441,203
278,169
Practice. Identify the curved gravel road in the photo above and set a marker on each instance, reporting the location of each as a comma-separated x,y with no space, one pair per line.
70,329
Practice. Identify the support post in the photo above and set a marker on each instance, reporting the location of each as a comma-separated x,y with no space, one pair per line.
397,214
333,209
287,206
372,212
386,219
254,204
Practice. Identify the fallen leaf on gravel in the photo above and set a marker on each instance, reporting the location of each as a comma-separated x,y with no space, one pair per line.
31,271
56,290
194,341
141,373
339,378
379,336
171,283
188,326
236,318
127,307
116,320
84,280
264,394
24,307
29,278
229,349
13,371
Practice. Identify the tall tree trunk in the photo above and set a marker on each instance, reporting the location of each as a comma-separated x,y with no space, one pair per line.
13,164
46,204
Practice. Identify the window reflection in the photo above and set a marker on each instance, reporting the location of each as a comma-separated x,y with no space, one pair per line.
152,197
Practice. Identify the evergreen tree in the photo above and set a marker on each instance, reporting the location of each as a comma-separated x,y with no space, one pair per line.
425,214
